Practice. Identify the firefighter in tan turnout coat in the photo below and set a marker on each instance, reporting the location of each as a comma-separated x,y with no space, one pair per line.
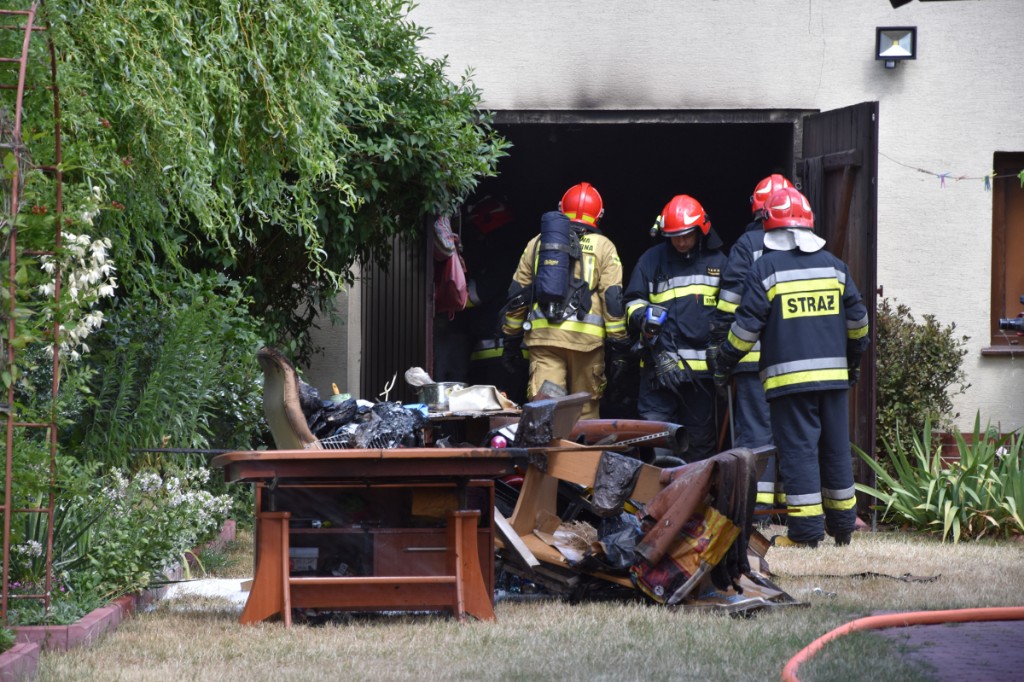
566,302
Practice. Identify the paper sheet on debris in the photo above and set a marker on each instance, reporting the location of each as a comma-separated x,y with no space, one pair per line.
480,398
563,542
571,540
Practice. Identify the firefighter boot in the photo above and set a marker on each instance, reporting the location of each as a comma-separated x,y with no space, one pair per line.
842,539
784,541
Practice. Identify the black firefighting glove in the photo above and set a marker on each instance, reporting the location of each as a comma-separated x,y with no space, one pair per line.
854,350
719,332
853,369
512,353
668,374
725,362
712,357
617,360
719,329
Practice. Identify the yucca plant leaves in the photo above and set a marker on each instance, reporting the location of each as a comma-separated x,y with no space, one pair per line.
967,498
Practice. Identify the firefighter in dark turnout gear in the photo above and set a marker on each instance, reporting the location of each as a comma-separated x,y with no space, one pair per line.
801,302
750,415
681,275
567,342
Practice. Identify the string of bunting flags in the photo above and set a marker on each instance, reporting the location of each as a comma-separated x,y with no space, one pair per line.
988,178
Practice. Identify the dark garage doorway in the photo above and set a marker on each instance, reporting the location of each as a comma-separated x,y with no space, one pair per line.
638,161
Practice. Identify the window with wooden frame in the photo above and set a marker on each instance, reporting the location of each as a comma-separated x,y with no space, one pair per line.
1007,255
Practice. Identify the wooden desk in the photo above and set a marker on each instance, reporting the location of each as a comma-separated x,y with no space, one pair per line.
413,528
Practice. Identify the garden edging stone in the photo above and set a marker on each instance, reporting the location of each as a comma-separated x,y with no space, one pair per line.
21,661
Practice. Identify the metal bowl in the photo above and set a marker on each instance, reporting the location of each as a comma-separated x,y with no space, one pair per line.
435,396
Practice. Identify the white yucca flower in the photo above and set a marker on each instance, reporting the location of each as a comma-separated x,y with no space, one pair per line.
31,548
88,276
149,482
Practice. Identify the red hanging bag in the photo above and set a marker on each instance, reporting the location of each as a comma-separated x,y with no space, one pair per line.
450,289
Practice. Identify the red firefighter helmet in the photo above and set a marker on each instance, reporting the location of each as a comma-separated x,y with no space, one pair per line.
765,189
787,207
488,214
682,215
582,204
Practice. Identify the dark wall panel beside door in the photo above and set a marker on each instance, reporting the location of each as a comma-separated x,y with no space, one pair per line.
396,306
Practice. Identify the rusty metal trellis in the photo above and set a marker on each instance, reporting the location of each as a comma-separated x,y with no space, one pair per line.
12,145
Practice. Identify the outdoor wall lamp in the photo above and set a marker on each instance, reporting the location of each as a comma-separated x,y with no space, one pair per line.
895,43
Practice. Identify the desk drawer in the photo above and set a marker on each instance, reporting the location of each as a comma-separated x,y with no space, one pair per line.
409,552
419,552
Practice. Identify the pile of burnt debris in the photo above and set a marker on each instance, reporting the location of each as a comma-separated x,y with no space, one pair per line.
592,516
590,519
344,422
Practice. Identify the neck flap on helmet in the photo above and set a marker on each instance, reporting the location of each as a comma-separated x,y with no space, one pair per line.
789,238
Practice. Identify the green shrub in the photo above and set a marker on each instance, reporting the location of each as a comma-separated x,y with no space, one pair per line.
980,495
152,521
7,639
113,534
919,371
173,367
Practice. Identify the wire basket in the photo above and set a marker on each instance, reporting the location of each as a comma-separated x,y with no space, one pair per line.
339,441
346,441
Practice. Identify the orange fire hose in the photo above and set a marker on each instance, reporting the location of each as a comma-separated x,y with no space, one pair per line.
895,620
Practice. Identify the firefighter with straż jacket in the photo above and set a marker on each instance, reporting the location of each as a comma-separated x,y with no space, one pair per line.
681,276
801,302
567,331
750,416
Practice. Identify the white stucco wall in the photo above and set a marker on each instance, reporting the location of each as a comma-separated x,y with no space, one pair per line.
340,360
946,112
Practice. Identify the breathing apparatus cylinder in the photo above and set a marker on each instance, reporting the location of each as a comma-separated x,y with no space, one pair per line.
558,248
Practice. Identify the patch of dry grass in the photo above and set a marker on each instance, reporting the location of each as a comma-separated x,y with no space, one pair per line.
591,641
969,574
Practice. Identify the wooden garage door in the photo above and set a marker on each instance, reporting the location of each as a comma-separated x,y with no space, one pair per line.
839,176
